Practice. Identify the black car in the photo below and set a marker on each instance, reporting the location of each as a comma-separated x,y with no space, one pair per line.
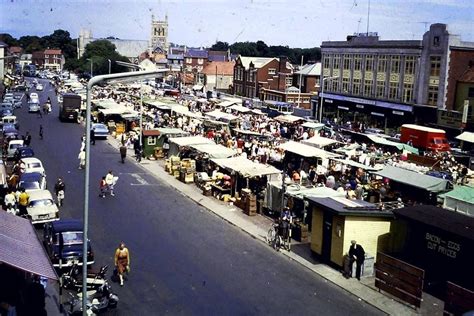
68,235
9,130
23,152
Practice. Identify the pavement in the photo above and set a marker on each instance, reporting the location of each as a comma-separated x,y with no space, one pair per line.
257,227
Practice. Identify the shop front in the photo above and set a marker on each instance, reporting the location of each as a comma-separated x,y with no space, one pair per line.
373,113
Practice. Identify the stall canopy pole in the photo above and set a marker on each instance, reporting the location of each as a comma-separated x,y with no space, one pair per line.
283,190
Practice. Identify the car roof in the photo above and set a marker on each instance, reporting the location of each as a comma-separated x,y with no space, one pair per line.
67,225
30,160
31,176
40,195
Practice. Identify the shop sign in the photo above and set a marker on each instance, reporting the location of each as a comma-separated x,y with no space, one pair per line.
359,106
377,114
398,113
343,108
450,118
439,245
328,101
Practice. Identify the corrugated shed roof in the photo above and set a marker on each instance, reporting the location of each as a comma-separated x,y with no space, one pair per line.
223,68
310,70
461,193
196,53
21,248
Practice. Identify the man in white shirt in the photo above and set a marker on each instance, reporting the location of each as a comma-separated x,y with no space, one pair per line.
110,181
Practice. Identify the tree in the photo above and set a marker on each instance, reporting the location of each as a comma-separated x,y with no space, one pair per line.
30,43
220,46
8,39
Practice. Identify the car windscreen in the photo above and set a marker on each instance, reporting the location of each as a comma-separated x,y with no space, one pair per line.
41,203
15,146
29,185
70,238
33,165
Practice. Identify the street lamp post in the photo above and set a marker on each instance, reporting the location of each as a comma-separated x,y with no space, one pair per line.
110,66
92,82
322,96
90,59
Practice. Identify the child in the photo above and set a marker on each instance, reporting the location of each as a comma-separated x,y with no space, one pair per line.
103,187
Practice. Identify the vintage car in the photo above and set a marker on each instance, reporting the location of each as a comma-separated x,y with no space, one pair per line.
63,240
32,164
41,208
100,130
32,181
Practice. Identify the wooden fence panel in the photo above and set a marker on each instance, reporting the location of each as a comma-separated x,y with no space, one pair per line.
458,300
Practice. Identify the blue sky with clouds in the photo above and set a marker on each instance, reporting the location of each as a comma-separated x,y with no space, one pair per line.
296,23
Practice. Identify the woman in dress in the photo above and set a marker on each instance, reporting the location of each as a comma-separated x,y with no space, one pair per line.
122,261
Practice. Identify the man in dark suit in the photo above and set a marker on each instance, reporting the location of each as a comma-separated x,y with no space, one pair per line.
357,254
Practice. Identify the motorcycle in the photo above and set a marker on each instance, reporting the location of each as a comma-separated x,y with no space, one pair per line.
97,301
72,280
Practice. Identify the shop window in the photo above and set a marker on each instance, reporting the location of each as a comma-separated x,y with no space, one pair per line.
151,141
435,65
433,95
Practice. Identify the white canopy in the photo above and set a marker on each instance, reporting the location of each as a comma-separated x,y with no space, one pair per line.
306,150
319,141
215,150
246,167
313,125
180,109
177,142
288,118
227,103
467,137
239,108
217,115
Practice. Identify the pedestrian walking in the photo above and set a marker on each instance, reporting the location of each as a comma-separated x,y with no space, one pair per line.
59,189
38,114
357,255
102,187
82,159
23,201
92,136
123,152
110,181
27,139
41,132
122,261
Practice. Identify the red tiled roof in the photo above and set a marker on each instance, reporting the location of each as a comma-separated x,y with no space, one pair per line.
53,51
15,49
223,68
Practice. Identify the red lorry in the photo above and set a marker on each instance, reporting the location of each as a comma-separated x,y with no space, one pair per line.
426,138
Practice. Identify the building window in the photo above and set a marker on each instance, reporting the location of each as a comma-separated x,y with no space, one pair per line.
382,64
345,85
369,63
380,89
436,41
357,62
407,93
435,62
356,86
337,62
347,62
289,81
252,76
393,90
470,93
395,64
368,88
271,71
326,85
151,141
326,63
433,95
189,60
335,85
410,65
200,61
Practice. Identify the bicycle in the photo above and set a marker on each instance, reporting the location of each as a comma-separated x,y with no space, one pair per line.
273,237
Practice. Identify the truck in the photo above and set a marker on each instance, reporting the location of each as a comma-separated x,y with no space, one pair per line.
424,138
70,107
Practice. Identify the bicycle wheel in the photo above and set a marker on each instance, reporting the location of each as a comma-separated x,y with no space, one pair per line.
277,243
270,236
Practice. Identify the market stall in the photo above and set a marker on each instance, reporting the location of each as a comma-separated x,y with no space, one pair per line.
460,199
177,143
155,141
320,141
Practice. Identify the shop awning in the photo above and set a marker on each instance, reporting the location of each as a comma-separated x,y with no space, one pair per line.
158,104
246,132
217,115
246,167
386,142
239,108
413,179
180,109
21,248
258,112
306,150
460,199
313,125
227,103
319,141
216,151
467,137
356,164
198,87
288,118
191,140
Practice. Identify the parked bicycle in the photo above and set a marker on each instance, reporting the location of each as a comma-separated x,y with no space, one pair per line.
279,235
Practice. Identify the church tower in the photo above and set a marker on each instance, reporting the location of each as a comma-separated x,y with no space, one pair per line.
159,35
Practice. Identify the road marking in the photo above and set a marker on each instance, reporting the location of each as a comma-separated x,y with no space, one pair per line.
139,179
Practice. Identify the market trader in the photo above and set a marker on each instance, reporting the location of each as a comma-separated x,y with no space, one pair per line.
357,254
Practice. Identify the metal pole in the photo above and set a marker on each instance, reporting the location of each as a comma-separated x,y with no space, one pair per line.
110,66
301,75
368,18
86,197
92,74
322,101
141,112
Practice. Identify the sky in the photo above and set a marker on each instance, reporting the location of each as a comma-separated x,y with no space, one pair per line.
293,23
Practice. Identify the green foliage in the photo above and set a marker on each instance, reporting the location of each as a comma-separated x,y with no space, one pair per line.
260,49
8,39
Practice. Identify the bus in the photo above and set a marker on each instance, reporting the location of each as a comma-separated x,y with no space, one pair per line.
276,108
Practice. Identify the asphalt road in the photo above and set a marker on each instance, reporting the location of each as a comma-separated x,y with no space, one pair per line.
184,260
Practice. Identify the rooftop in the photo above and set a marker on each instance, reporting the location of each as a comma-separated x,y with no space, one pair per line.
343,206
219,67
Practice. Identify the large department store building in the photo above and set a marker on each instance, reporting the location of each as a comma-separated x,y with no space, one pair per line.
385,83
